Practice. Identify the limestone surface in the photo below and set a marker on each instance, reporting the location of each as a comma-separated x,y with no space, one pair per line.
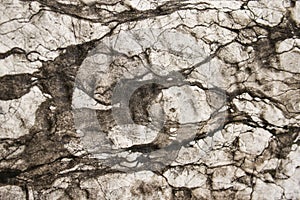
144,99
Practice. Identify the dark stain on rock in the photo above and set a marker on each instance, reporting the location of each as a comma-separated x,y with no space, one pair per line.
7,175
140,101
14,86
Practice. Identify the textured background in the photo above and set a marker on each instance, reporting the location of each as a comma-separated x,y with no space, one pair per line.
88,111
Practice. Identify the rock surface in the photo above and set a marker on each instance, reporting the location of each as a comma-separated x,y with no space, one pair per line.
149,99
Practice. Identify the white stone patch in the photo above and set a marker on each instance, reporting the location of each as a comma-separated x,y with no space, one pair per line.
209,74
275,116
254,142
291,163
177,50
246,106
223,177
189,176
189,103
214,33
127,135
290,61
183,45
144,5
93,187
132,43
266,191
19,114
224,5
267,12
81,100
12,192
18,10
126,186
37,36
215,158
287,45
234,53
268,165
187,155
223,137
269,112
244,194
163,60
56,194
62,182
246,96
18,64
296,12
173,130
70,2
202,193
238,19
291,185
113,6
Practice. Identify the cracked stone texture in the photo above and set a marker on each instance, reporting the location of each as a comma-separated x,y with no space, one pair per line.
229,130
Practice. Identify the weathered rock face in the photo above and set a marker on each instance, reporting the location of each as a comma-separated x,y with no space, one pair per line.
149,99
